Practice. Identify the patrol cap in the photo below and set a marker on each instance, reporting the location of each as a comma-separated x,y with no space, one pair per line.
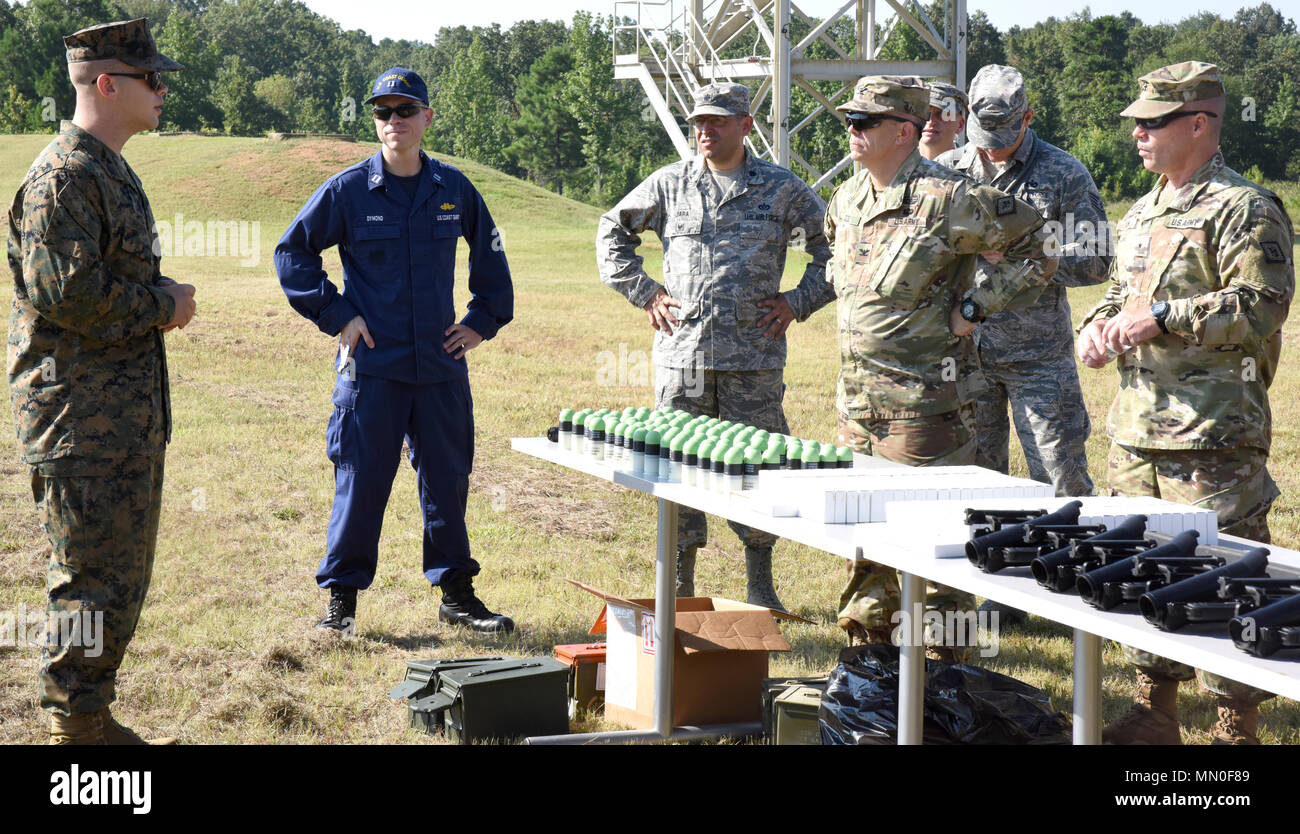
721,100
905,95
997,107
127,41
942,94
1167,89
400,81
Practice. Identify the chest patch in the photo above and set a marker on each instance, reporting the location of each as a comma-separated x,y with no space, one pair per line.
1272,252
1184,222
1005,206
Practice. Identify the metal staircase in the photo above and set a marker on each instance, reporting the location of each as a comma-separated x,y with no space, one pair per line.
672,47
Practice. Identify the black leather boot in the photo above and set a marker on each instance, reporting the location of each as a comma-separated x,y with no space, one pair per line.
342,612
461,607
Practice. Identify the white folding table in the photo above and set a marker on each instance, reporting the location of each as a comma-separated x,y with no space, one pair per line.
882,545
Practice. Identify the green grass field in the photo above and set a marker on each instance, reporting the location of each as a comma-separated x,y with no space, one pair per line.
226,652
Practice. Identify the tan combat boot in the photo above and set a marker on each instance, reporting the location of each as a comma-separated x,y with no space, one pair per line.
948,654
1153,719
860,635
115,733
1238,719
78,728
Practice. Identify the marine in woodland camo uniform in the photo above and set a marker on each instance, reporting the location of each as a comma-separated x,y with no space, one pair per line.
902,260
1027,355
724,251
1191,422
88,381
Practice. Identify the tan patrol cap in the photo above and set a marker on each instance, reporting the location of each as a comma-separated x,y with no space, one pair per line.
127,41
905,95
1169,88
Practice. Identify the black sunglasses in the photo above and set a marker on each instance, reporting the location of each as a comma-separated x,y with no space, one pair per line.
862,122
153,79
1160,121
406,111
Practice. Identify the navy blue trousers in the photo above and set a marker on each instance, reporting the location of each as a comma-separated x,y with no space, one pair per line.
371,417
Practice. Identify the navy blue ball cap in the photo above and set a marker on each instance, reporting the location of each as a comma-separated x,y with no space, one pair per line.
400,81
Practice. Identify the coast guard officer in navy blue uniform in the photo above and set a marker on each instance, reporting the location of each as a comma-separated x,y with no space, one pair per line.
401,369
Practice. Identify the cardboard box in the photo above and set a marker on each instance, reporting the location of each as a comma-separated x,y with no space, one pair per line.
720,651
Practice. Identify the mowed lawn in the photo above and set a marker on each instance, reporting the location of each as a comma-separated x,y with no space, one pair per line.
226,651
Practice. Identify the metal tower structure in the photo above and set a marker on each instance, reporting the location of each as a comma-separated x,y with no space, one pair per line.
675,46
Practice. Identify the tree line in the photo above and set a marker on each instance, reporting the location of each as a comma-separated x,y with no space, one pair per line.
539,100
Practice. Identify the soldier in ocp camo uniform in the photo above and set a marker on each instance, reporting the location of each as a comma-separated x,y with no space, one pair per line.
1202,281
88,372
905,232
725,219
1027,354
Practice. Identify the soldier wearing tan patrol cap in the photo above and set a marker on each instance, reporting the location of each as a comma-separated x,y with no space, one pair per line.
88,371
1202,282
727,220
904,231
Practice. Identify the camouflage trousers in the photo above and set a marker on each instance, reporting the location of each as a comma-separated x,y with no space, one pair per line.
1050,417
873,595
1235,484
750,397
102,524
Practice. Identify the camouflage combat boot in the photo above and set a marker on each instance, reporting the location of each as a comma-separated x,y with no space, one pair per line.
1238,719
1153,719
686,570
758,579
78,728
115,733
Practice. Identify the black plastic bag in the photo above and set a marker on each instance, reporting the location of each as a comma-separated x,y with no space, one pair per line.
963,704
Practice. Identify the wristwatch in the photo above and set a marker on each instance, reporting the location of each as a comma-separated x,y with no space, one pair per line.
971,311
1159,312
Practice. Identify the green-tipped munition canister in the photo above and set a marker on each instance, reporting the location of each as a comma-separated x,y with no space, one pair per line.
611,423
753,463
776,443
566,429
638,451
690,459
578,444
704,462
615,452
650,459
829,458
772,459
794,454
735,469
718,466
665,453
596,436
844,457
812,455
677,456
